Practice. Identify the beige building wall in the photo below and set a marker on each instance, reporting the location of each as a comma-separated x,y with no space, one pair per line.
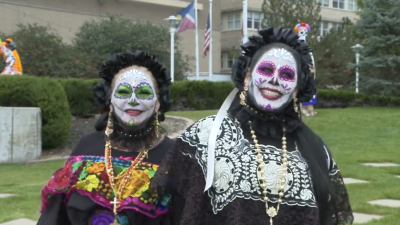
66,16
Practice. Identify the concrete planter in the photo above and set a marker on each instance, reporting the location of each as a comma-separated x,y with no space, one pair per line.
20,134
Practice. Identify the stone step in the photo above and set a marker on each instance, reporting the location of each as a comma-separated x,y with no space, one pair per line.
5,195
349,180
386,202
380,164
21,221
364,218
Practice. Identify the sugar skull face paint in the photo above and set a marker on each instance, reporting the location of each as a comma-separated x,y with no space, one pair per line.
273,80
303,32
134,98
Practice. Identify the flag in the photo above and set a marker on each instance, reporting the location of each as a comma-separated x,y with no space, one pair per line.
207,37
187,18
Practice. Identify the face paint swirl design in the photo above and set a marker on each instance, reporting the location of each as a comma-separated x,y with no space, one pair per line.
134,98
273,80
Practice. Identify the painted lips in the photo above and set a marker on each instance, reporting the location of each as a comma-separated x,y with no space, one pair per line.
133,112
270,94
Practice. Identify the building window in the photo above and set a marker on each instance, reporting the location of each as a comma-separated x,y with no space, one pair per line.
229,61
254,20
324,3
352,5
338,4
233,21
324,29
335,26
222,61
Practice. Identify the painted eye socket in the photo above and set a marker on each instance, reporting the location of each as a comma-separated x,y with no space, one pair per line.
266,68
287,73
144,91
124,91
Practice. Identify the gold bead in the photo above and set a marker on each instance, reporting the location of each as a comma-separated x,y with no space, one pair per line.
284,160
284,147
264,185
280,194
279,201
257,146
265,199
255,142
265,192
281,187
284,142
252,132
253,136
283,138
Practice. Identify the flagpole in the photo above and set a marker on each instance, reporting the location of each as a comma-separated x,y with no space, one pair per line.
211,41
244,21
197,40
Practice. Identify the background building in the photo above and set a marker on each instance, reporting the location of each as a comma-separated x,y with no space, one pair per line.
67,16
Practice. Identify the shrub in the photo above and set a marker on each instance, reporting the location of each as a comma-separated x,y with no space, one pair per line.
80,96
199,95
48,95
206,95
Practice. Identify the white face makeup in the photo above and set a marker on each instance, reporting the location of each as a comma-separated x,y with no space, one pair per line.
134,98
273,80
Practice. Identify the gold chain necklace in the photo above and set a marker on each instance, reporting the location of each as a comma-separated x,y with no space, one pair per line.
271,211
110,172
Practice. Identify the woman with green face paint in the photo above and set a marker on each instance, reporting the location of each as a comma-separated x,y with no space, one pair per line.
107,179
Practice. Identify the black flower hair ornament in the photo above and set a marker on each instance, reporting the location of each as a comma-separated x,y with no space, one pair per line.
306,85
119,61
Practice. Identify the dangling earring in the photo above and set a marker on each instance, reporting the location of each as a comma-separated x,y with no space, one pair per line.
156,124
296,108
110,125
243,95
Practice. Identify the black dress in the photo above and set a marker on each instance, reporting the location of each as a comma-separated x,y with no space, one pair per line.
80,193
235,197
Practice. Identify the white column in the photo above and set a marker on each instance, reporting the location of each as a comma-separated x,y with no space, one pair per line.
244,21
197,41
357,59
211,42
172,31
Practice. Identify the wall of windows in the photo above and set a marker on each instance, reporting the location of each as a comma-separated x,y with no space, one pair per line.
233,20
254,20
350,5
326,26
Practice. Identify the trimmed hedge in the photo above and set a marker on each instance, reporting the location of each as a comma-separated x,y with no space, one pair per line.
80,96
199,95
204,95
45,93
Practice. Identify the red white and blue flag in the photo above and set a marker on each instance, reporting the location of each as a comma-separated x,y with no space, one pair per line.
207,37
187,19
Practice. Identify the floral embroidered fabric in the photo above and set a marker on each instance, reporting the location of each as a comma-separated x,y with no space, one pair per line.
87,176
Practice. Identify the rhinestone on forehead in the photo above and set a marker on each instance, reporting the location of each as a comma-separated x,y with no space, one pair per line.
281,54
131,75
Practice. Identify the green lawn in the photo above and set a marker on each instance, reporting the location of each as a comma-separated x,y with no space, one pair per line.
354,135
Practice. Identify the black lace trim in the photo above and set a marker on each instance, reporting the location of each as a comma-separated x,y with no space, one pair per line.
264,123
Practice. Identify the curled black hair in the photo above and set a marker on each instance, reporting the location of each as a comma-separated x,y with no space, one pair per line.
119,61
306,85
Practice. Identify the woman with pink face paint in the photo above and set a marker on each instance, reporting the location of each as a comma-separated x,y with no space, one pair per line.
256,162
107,178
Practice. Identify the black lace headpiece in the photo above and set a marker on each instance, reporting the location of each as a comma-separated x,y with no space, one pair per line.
306,85
117,62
